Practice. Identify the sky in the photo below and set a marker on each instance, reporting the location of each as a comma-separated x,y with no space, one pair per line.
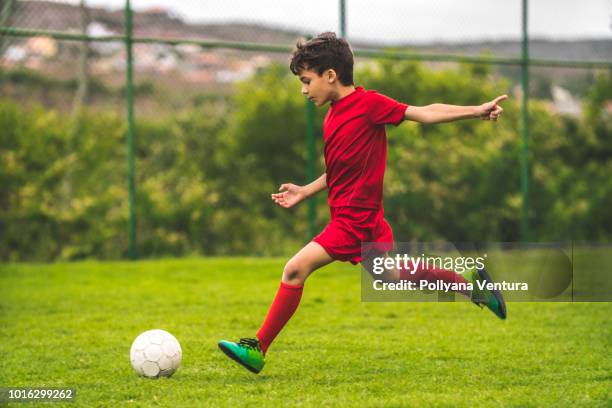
403,21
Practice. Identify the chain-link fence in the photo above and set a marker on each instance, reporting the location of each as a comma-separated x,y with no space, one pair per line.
74,56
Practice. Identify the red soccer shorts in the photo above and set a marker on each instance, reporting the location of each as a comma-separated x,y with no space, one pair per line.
349,227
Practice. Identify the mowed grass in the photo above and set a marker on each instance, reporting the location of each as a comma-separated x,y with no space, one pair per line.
72,325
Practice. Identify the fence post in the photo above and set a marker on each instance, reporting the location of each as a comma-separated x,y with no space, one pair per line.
343,18
132,251
310,171
5,15
525,125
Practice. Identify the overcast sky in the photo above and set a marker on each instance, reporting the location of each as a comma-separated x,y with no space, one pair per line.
404,20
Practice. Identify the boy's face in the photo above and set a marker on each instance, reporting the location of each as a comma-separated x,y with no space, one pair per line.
317,88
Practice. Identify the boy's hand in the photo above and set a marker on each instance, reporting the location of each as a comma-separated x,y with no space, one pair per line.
491,110
293,195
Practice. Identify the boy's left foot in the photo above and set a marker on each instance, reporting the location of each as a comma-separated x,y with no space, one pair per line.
247,352
492,299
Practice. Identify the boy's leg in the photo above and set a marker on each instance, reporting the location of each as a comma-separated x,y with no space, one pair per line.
250,352
307,260
287,299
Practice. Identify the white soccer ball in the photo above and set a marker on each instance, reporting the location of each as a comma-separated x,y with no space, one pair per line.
156,353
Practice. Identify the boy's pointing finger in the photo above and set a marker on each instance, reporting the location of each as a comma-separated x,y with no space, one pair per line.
500,99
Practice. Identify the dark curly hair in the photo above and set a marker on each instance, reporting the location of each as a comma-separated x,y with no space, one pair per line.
325,51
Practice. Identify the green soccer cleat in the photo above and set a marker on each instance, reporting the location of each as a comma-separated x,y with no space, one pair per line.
492,299
247,352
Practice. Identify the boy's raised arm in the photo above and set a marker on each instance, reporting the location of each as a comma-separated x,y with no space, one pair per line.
440,112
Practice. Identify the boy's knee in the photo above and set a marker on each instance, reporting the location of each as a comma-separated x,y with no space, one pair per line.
295,273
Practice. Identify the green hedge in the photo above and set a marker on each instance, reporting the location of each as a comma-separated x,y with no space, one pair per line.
204,175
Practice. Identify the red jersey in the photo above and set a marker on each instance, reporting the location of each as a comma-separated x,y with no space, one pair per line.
356,147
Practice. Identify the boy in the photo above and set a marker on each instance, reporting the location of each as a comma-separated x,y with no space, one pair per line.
355,159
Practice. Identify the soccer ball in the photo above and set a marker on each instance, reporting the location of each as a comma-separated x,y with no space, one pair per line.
156,353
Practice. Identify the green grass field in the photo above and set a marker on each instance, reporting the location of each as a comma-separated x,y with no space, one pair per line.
73,324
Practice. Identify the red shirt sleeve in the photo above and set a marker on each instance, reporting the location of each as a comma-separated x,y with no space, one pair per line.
383,110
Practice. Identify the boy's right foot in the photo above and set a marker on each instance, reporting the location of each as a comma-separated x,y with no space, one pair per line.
492,299
247,352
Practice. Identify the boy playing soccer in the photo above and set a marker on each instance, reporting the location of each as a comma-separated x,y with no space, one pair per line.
355,150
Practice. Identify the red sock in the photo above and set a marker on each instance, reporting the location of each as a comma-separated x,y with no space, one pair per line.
432,275
284,305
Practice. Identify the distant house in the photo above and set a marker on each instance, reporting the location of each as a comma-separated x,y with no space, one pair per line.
162,13
564,102
14,54
41,46
96,29
242,70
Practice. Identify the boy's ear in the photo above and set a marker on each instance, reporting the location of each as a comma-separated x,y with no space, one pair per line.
331,76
